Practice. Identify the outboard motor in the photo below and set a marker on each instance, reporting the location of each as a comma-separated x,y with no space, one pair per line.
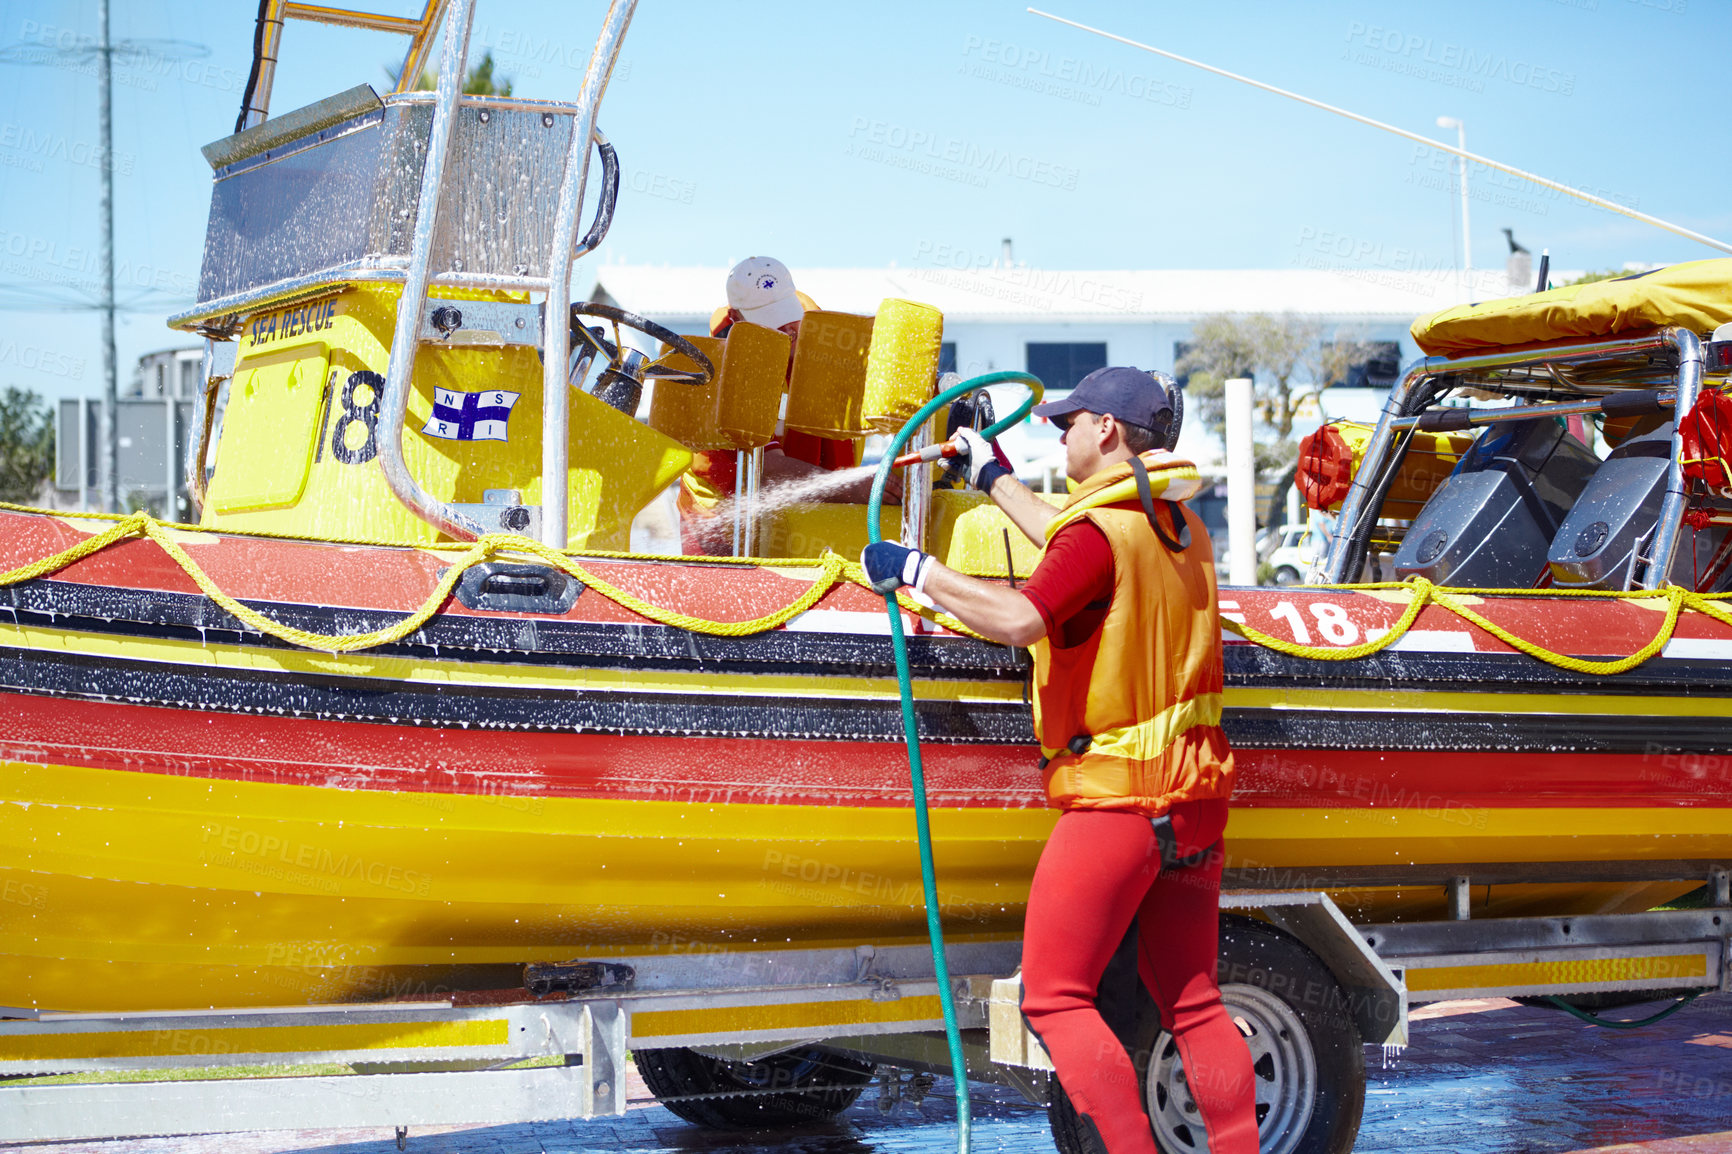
1597,544
1489,525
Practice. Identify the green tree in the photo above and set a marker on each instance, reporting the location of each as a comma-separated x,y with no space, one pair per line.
1286,357
1272,351
1592,277
26,445
479,82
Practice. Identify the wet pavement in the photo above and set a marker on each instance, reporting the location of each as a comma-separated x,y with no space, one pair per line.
1485,1077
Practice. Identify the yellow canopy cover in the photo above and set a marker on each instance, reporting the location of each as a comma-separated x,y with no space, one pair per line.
1696,295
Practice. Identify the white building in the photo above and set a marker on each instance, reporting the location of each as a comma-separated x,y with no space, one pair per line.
154,419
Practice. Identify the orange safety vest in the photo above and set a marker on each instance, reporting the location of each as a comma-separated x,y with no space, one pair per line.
1131,718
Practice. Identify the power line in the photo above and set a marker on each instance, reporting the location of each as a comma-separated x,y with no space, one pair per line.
1589,197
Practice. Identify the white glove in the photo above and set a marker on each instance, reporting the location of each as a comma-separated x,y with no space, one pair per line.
977,451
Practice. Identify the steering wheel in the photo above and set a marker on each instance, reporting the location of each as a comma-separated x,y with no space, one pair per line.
621,382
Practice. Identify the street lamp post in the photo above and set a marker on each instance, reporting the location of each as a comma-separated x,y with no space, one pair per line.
110,362
1466,244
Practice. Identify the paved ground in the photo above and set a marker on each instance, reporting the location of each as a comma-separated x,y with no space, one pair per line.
1488,1077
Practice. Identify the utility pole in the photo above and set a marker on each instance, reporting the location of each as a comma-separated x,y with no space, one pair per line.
46,53
110,365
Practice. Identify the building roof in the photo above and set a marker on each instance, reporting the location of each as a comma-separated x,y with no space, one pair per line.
1022,294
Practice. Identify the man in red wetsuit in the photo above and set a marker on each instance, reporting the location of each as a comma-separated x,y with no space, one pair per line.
1121,617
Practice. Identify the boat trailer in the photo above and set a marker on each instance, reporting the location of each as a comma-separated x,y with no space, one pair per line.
559,1048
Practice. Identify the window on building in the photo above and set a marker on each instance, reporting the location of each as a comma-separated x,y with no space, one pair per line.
946,357
1180,348
1060,365
189,382
1376,369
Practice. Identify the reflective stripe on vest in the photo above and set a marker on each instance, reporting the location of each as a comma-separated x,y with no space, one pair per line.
1147,740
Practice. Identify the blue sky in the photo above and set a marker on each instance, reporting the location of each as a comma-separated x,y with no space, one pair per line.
921,133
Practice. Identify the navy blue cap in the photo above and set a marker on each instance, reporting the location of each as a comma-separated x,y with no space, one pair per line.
1136,396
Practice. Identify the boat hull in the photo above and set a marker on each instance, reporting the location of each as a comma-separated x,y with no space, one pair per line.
198,815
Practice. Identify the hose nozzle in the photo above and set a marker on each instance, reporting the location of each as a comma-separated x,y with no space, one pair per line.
936,452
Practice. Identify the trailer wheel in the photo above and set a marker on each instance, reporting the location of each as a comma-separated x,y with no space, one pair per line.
793,1088
1305,1051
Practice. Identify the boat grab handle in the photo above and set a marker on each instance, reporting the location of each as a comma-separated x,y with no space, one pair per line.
507,587
608,200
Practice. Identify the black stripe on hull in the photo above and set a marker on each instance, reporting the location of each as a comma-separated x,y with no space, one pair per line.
576,644
720,714
1422,731
520,640
637,713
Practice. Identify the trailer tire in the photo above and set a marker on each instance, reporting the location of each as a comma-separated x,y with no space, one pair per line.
1309,1061
814,1085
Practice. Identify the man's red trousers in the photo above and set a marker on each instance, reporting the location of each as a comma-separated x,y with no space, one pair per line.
1099,870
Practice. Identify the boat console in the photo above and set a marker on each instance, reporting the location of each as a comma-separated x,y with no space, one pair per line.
1491,521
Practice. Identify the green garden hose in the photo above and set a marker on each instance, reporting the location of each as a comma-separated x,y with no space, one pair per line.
1617,1024
910,729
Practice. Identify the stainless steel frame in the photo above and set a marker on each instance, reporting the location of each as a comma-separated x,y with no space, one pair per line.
417,275
556,320
748,484
218,318
1594,367
216,367
453,62
278,12
270,44
1671,518
1475,417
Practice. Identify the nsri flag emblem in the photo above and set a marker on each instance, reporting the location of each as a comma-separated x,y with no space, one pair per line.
470,416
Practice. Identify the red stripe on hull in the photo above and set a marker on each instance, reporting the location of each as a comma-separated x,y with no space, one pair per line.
377,577
368,756
398,579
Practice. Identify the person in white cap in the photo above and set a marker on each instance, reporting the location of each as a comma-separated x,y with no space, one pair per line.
761,292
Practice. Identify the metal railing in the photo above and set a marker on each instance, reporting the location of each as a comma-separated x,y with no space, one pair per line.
555,332
556,316
1358,517
405,343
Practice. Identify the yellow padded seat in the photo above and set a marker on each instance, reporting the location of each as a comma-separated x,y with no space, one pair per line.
966,531
687,413
828,383
738,408
902,366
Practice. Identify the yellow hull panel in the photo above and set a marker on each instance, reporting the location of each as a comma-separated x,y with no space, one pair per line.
126,890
